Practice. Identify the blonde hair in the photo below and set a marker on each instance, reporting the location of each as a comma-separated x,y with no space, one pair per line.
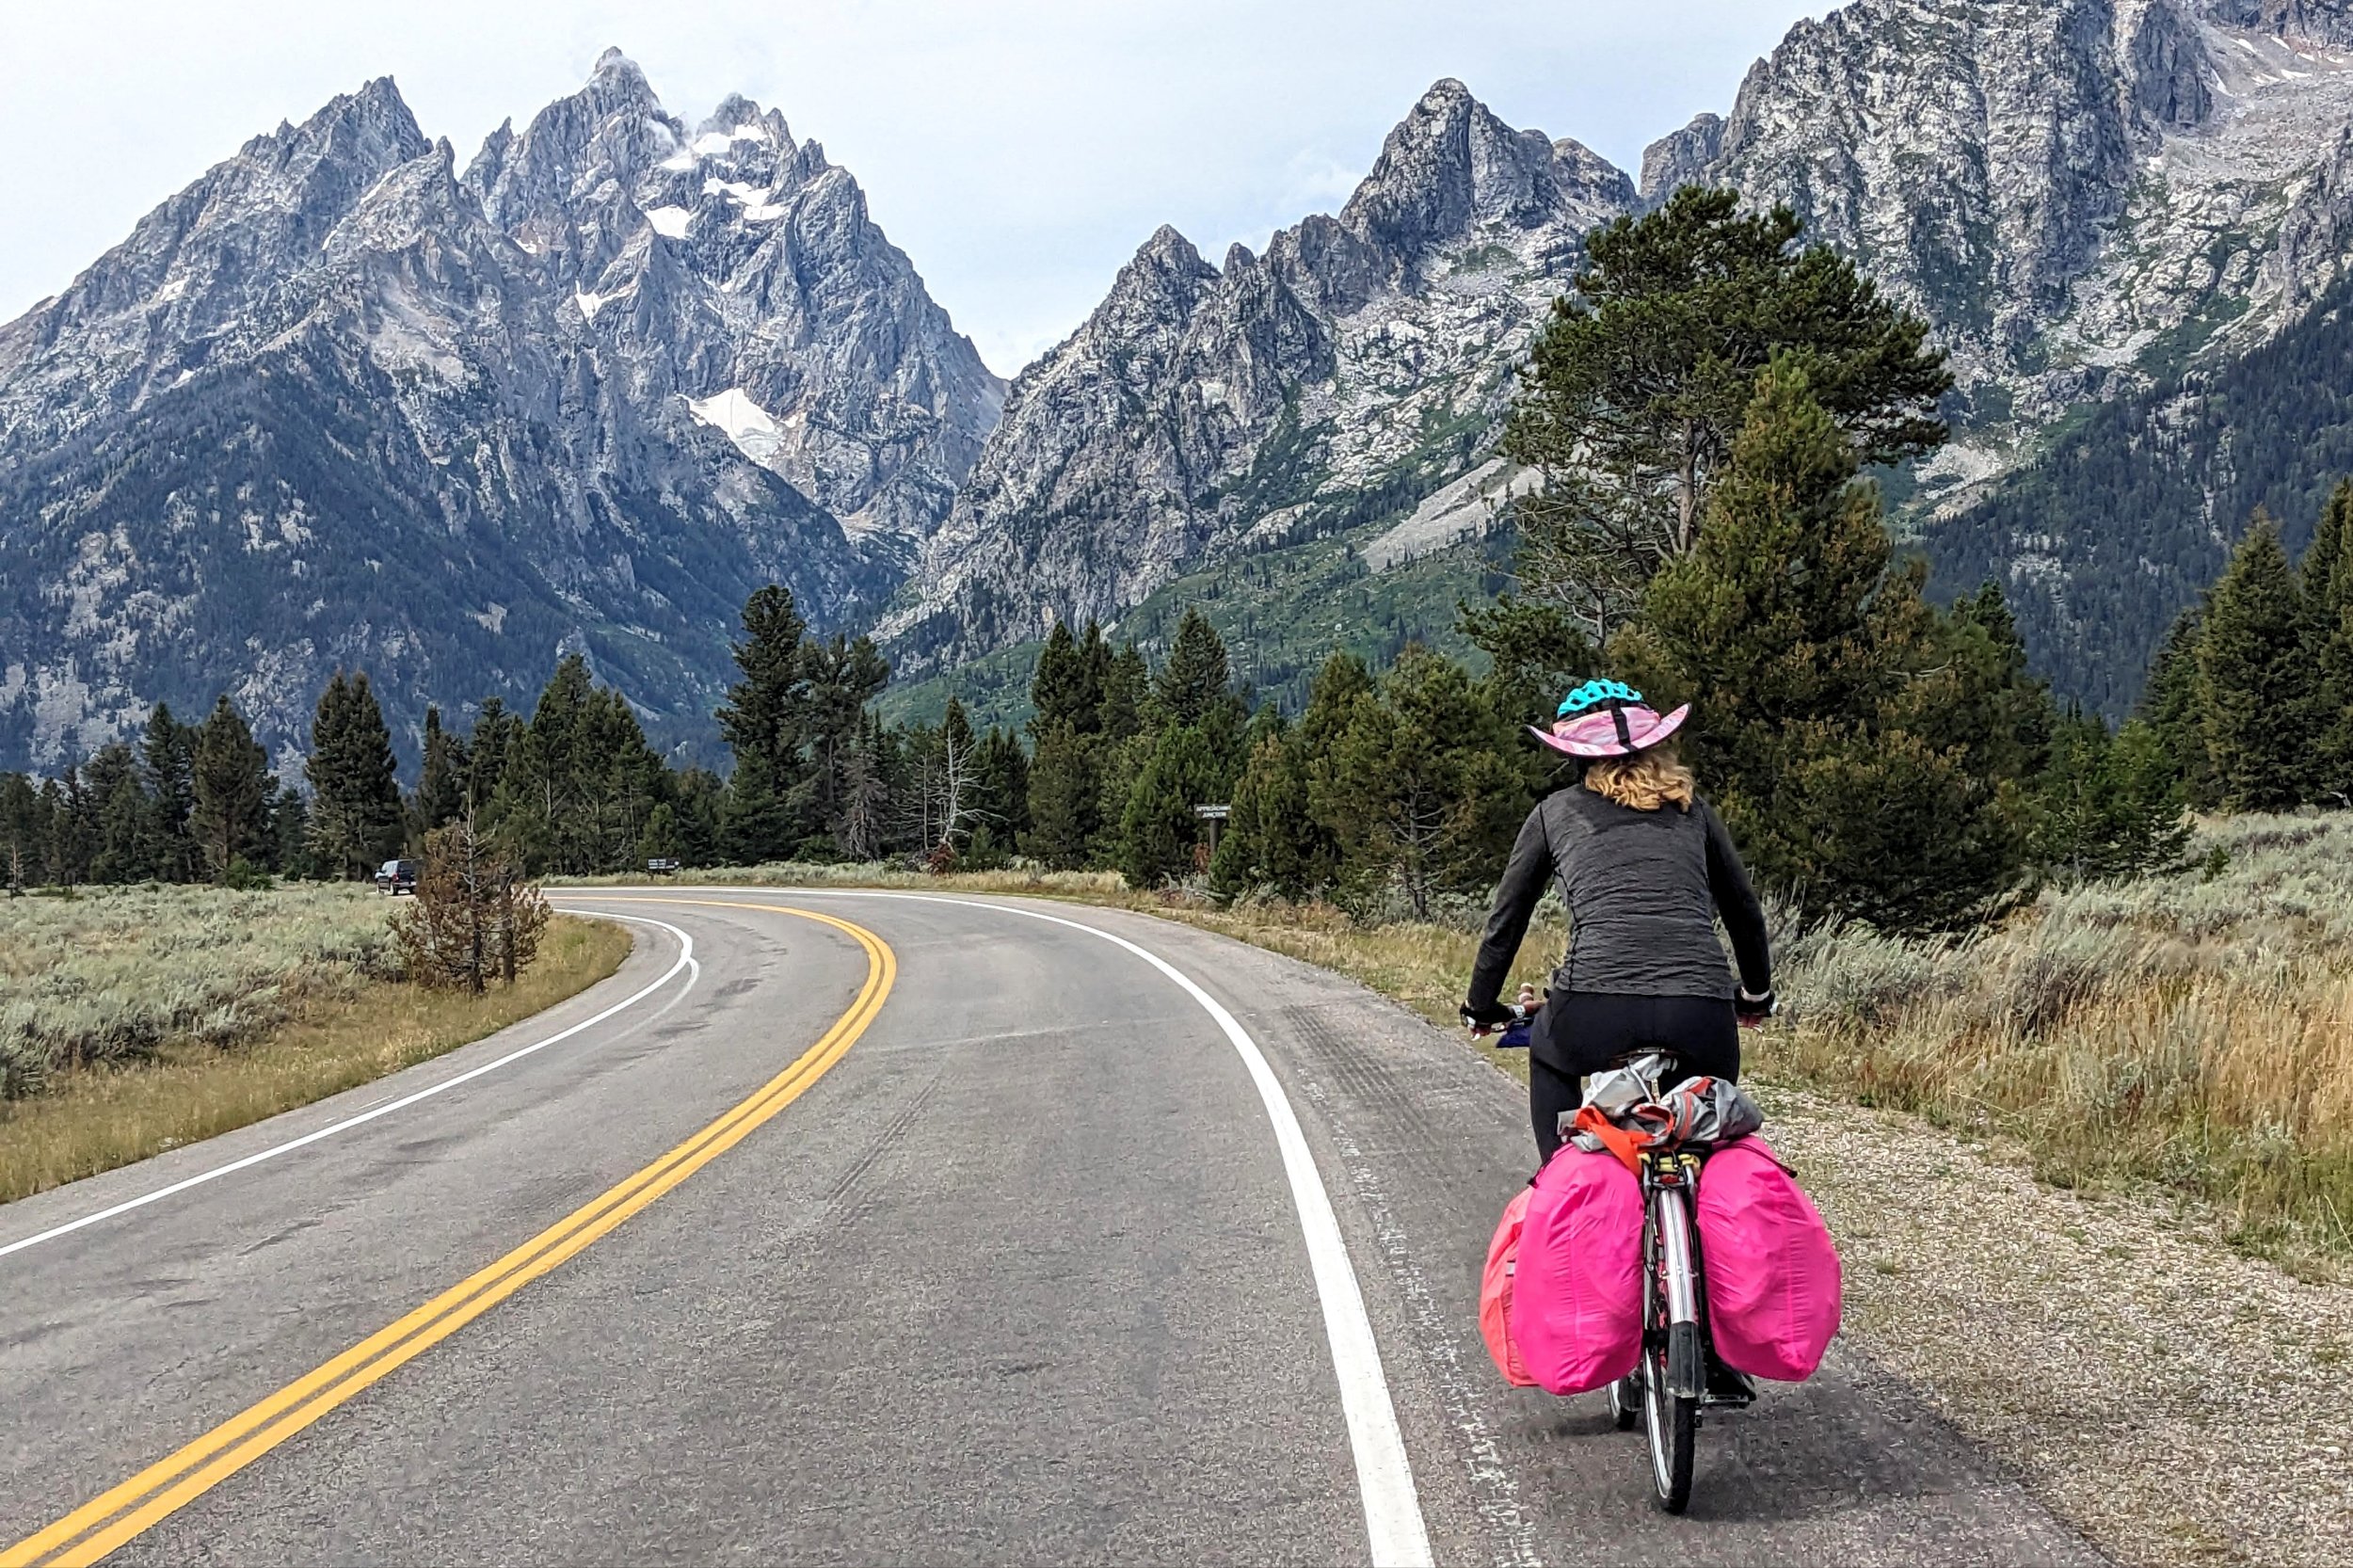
1645,781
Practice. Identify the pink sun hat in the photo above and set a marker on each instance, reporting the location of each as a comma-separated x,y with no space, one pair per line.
1609,718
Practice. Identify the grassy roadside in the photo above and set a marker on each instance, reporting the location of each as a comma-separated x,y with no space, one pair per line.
325,1033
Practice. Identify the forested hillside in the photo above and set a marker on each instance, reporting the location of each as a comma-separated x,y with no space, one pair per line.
2105,540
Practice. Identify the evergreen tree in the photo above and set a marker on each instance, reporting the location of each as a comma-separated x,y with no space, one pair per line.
73,828
2175,714
2327,577
1065,809
1068,687
1126,679
1641,381
1159,829
24,832
2257,685
355,817
495,733
1424,790
1001,791
124,817
441,796
766,715
1830,714
167,754
232,788
697,802
1196,678
1272,841
2108,806
844,675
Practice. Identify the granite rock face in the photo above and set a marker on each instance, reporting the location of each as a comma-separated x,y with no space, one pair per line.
334,404
2082,195
1204,410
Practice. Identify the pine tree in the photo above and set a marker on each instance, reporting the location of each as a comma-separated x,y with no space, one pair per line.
844,675
125,840
355,818
2328,578
167,755
766,716
1423,788
1068,687
2108,806
24,832
1159,829
2176,717
232,788
1272,841
1127,679
441,796
1641,382
1825,689
1064,806
2257,685
72,828
495,732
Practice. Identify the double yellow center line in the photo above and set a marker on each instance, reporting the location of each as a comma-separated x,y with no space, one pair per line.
98,1527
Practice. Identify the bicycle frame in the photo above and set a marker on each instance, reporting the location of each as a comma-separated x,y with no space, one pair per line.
1676,1307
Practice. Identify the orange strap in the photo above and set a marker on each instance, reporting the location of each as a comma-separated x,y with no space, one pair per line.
1627,1146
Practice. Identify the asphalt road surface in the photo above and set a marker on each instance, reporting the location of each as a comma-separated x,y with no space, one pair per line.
1004,1231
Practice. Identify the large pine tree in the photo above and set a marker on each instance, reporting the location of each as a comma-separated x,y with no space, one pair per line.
765,722
355,817
233,789
1639,383
1859,758
166,756
2259,689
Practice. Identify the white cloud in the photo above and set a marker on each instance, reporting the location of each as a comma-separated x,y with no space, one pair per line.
1018,152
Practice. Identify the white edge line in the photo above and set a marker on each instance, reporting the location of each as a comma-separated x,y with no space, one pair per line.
1384,1478
686,961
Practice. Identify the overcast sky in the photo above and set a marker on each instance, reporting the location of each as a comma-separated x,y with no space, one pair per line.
1017,150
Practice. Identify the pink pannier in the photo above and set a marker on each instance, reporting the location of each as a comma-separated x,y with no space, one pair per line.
1773,1274
1494,1294
1575,1311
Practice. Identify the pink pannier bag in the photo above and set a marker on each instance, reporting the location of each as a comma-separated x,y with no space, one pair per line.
1773,1274
1575,1311
1494,1294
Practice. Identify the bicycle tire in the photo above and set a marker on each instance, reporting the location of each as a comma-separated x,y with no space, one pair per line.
1626,1400
1672,1432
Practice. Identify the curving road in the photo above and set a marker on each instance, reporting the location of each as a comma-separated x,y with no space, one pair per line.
884,1227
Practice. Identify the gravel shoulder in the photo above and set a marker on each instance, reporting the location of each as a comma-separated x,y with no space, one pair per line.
2179,1401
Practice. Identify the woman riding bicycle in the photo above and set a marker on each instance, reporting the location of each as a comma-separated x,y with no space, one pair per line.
1643,865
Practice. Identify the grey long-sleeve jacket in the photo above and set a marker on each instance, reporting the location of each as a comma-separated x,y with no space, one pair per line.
1641,889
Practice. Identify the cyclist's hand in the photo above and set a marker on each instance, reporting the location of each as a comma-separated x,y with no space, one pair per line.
1753,1009
1480,1021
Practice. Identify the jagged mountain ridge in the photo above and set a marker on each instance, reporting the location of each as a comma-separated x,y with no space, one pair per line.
1200,411
2082,195
320,408
2088,198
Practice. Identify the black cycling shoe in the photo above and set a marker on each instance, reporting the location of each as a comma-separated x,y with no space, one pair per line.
1727,1387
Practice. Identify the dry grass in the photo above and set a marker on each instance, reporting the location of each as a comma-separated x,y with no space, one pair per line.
327,1039
2192,1033
111,973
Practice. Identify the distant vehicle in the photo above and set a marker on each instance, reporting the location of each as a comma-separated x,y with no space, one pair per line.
396,877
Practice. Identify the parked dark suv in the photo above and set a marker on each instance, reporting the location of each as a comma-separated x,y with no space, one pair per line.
396,877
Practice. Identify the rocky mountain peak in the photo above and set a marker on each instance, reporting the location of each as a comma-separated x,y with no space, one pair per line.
1451,165
1287,396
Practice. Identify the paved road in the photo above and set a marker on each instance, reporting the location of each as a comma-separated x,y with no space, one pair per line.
1023,1274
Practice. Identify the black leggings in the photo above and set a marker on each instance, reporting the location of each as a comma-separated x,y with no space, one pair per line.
1580,1032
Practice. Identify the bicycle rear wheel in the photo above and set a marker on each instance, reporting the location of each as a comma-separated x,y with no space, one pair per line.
1672,1428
